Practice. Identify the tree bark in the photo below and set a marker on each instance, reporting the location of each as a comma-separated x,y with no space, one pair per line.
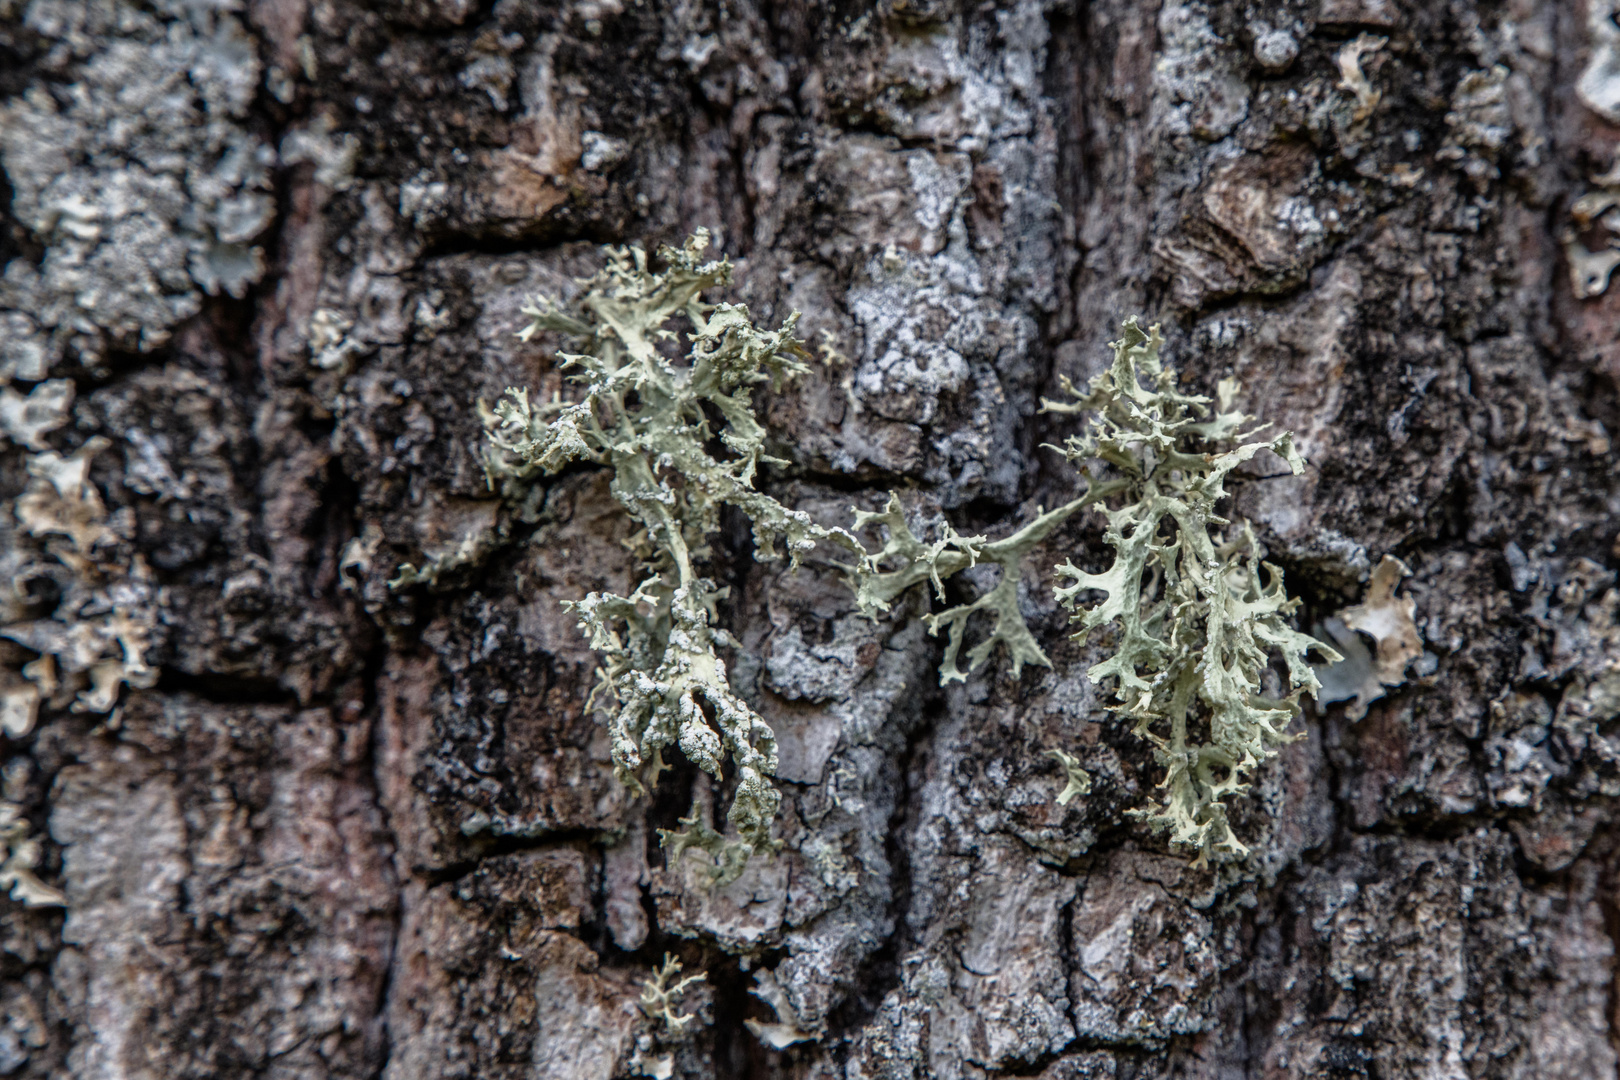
327,828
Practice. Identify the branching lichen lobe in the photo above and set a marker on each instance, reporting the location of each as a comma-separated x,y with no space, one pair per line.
1195,620
876,589
649,418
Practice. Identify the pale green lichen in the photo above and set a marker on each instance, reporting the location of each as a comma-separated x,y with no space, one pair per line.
1195,621
729,857
661,994
647,416
876,588
1079,781
472,531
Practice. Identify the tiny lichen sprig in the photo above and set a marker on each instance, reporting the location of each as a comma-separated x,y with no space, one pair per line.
1196,622
648,418
660,996
666,1029
876,588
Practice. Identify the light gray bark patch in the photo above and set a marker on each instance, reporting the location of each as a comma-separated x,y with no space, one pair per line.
1144,964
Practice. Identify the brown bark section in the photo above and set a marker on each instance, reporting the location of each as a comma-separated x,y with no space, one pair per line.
354,831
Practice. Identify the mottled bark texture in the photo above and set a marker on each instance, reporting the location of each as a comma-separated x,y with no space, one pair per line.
261,259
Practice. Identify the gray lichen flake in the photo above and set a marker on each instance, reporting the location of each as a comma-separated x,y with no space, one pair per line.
137,172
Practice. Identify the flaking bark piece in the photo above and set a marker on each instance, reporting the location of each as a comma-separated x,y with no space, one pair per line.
1388,620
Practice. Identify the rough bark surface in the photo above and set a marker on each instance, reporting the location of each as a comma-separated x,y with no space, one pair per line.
322,828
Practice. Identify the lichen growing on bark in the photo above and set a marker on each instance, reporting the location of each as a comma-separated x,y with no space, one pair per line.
1195,621
877,588
661,993
650,418
96,639
58,542
145,183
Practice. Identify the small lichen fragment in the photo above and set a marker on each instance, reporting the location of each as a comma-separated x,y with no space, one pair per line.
728,857
1079,781
27,420
468,532
876,588
667,1028
1194,619
1598,87
334,156
19,705
1354,79
1589,271
660,997
784,1031
651,420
